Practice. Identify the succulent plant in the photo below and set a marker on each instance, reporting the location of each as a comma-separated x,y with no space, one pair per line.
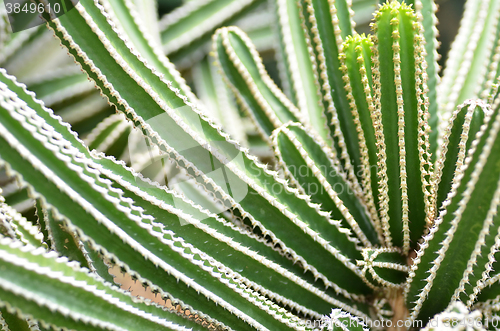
377,207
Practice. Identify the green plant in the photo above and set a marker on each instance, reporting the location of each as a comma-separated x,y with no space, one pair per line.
383,205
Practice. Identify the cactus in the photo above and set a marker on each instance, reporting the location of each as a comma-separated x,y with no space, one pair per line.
377,208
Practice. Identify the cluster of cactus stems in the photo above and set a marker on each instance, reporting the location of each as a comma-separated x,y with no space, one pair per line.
380,204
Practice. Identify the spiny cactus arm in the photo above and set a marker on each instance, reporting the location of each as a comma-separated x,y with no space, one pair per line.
127,179
465,122
37,57
3,323
15,226
74,98
40,221
63,241
384,267
57,191
327,23
177,131
267,271
15,41
67,243
110,135
233,237
5,316
454,318
210,231
75,114
213,92
482,261
494,97
489,291
10,84
298,69
7,229
15,194
97,263
469,212
96,260
244,72
470,55
147,10
127,183
122,232
36,283
313,168
197,20
383,310
256,22
356,65
58,237
85,112
490,85
186,186
264,269
401,124
491,315
482,285
127,22
11,321
61,84
426,13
